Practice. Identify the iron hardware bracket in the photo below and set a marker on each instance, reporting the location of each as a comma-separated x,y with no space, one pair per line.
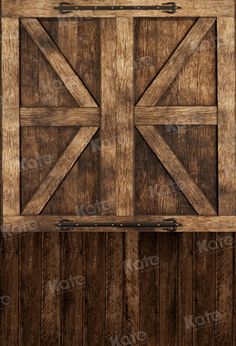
168,224
66,7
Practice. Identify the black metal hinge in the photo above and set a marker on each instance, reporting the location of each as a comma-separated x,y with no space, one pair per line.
168,224
66,7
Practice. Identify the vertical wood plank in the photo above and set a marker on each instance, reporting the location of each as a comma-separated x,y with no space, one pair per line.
185,288
9,286
226,174
29,244
89,176
51,296
71,243
114,242
148,267
125,166
168,289
10,117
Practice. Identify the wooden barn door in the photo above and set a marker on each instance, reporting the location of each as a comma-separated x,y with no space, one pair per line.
113,120
144,88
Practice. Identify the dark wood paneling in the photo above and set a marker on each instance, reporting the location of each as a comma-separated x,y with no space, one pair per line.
182,278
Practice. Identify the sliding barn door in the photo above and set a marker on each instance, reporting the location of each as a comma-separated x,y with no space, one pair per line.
109,121
117,125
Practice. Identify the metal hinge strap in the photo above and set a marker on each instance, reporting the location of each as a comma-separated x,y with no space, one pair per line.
66,7
168,224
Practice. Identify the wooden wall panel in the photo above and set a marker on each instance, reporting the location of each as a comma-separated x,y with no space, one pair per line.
226,176
180,279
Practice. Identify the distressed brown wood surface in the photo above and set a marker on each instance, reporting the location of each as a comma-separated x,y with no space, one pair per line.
58,62
71,245
45,116
176,115
176,62
60,170
47,9
9,245
10,116
30,279
125,167
114,242
194,195
189,222
166,289
226,177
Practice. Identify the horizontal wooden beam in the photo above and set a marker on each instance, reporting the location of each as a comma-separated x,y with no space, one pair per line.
45,116
198,115
46,8
45,223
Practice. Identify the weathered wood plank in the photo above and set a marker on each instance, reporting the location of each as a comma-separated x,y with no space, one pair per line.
10,117
226,116
182,178
149,268
168,289
125,166
30,264
204,291
195,115
18,224
109,103
176,62
114,242
185,287
9,289
58,62
60,170
46,116
200,8
71,244
47,140
30,288
226,173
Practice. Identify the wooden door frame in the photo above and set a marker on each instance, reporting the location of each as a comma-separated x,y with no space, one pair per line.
90,117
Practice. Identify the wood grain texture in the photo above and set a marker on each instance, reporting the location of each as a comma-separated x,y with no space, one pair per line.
125,166
176,62
58,62
226,173
37,143
168,290
114,242
51,331
71,245
30,264
45,116
226,116
60,170
10,117
9,289
109,104
194,115
192,192
149,267
196,8
190,223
